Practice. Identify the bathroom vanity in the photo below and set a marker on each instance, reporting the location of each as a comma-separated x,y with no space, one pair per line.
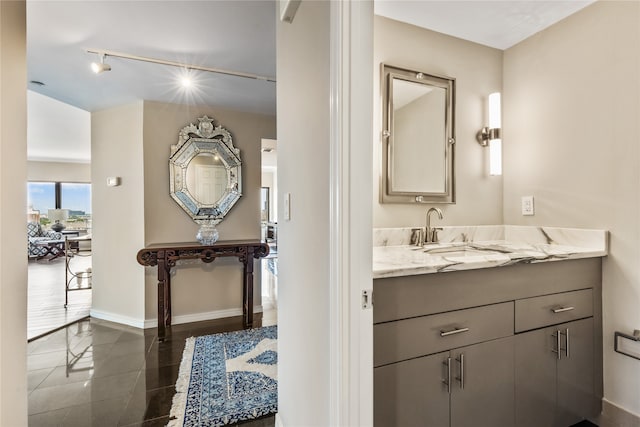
487,329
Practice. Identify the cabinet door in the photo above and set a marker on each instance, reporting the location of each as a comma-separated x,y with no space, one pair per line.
486,396
535,378
576,373
412,393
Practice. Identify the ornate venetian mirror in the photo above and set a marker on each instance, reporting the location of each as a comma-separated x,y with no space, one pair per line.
205,175
417,137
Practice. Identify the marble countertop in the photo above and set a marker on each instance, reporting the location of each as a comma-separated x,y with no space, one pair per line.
467,248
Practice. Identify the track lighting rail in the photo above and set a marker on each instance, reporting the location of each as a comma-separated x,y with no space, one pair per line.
180,65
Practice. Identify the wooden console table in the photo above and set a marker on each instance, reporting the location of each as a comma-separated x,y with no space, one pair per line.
165,256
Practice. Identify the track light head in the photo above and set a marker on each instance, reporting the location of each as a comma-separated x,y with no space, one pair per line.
99,67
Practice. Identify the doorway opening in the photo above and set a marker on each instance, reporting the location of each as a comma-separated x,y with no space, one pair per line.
59,253
269,225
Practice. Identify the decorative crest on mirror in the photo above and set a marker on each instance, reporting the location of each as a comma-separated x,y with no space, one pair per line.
205,175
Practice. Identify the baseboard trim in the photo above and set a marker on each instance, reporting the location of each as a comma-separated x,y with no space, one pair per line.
279,422
616,416
176,320
117,318
199,317
268,304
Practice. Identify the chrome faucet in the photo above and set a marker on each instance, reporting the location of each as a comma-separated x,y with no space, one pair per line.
431,234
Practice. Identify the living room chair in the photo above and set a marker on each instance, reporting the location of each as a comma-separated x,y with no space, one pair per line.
35,234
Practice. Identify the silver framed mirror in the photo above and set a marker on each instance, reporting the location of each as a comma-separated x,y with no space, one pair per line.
205,175
418,137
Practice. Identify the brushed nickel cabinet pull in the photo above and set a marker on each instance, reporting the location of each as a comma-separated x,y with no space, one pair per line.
562,309
460,360
556,335
447,381
566,342
453,332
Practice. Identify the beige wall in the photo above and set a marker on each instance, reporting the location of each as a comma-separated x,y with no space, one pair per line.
571,139
303,246
196,292
58,171
478,72
141,212
118,214
13,176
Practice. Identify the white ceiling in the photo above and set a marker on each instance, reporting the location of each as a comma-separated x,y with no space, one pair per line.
57,131
237,35
233,35
498,24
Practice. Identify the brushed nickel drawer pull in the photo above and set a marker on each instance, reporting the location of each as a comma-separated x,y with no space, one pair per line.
562,309
453,332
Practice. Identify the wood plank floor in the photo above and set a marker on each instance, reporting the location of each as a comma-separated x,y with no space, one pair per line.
46,282
46,289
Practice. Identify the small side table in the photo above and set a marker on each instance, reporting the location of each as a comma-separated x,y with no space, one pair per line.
82,278
72,233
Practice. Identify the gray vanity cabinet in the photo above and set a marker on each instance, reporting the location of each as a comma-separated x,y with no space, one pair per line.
486,397
468,386
555,388
447,369
411,393
505,322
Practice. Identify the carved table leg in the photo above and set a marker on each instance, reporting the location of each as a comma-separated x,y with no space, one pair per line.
163,300
167,295
247,292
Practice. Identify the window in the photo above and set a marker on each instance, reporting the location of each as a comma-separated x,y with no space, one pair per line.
76,197
41,196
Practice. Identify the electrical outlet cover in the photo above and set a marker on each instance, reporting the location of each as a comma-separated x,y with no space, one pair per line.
527,206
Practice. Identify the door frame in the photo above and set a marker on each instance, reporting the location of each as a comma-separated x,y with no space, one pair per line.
351,188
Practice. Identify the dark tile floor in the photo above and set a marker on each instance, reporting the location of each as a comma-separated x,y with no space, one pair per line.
97,373
46,296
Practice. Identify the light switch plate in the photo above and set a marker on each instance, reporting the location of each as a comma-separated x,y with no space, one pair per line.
287,206
527,206
113,181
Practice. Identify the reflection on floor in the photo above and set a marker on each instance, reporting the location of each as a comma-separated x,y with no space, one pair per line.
45,302
269,288
97,373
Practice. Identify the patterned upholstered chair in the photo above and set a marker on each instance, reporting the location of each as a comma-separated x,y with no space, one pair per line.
35,233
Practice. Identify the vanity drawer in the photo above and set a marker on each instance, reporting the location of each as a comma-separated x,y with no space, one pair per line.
409,338
532,313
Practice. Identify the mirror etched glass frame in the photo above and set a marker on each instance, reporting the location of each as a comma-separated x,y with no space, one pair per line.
210,201
418,137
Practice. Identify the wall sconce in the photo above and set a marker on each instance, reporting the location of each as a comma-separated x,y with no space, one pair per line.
490,135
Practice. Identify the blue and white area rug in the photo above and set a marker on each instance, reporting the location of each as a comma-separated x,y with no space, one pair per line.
227,378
